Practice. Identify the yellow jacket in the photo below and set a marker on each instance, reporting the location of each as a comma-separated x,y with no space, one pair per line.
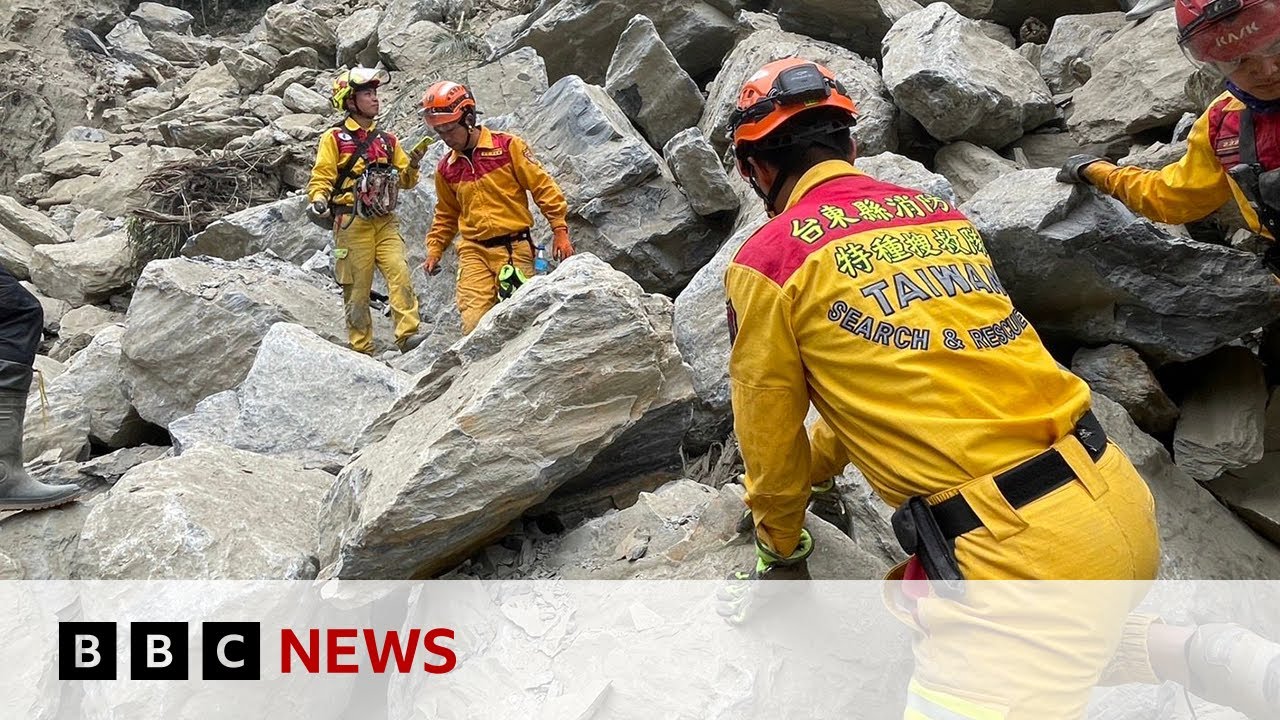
336,146
1193,187
483,196
880,306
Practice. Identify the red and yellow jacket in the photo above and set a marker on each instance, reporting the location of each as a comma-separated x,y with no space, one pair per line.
1198,184
880,306
482,196
336,146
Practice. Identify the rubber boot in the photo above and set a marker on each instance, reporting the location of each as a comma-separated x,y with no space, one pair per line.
18,490
827,502
1235,668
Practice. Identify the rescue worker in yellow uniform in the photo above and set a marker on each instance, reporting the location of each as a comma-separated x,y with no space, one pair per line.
1233,151
481,189
358,173
879,305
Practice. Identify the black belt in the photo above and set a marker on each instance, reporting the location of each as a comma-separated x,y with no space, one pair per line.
505,240
1025,483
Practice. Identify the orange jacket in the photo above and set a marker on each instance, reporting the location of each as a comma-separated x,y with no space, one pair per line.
336,146
482,194
1198,184
880,306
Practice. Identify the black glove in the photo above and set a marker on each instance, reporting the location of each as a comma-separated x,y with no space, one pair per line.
1073,169
320,207
735,598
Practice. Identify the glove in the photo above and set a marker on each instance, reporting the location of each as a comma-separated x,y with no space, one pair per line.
741,592
1073,169
1235,667
561,248
320,206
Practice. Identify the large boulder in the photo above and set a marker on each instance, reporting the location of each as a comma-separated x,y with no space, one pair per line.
624,204
1223,416
856,24
1199,538
184,49
249,72
212,513
1119,373
547,383
194,326
1254,494
289,26
117,188
30,225
898,170
650,86
501,86
56,427
15,254
43,543
357,38
970,167
415,49
960,84
1066,62
700,173
155,16
877,129
1013,13
95,378
1081,266
1141,80
77,327
84,272
280,227
304,398
70,159
578,36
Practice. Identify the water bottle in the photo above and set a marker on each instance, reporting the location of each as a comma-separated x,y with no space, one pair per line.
540,265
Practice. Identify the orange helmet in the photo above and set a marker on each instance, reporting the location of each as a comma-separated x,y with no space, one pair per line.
782,90
447,102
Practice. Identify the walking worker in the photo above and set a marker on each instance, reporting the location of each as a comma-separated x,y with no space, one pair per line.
482,190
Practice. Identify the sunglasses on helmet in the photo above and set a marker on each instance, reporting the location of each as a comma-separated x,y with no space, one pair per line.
799,85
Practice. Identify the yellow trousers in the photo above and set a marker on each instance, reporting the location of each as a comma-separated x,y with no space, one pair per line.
478,268
361,246
1026,649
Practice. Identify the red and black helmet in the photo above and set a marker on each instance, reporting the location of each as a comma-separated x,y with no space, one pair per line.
1227,31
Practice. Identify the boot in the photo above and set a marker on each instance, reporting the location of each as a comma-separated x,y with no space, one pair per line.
1235,668
826,502
18,490
410,343
1146,8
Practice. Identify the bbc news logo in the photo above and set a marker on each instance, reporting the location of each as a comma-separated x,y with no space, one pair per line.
233,651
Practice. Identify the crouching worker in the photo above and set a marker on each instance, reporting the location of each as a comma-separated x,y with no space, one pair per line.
482,190
358,173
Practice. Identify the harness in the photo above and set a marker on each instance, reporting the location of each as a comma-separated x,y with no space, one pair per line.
1260,187
510,278
376,190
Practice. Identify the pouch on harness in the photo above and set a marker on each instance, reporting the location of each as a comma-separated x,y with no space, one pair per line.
1260,187
327,221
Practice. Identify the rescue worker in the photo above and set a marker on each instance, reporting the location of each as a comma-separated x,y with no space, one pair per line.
1233,150
879,305
358,173
481,190
21,319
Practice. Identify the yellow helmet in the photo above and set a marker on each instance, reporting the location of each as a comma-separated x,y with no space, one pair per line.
348,81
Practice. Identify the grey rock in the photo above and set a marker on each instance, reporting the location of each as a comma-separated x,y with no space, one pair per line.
1048,149
898,170
84,272
29,224
212,513
1140,81
1080,265
1066,60
217,78
304,100
208,135
78,327
43,543
650,86
117,188
502,86
548,381
856,24
700,173
1223,416
415,49
292,26
15,254
304,398
96,377
149,102
358,38
959,83
578,36
128,35
1254,494
280,227
997,32
1199,538
184,49
970,167
1155,156
307,77
56,427
266,107
249,72
194,326
70,159
303,57
31,187
54,309
1119,373
156,16
876,131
